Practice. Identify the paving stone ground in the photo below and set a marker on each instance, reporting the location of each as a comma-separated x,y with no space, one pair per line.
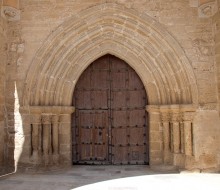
110,178
74,177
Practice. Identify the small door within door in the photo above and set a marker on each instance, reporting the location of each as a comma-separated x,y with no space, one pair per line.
110,124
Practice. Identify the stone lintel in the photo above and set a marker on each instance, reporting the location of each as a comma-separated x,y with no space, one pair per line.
173,108
53,110
153,108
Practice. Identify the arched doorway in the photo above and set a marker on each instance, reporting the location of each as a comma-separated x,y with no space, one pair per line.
110,123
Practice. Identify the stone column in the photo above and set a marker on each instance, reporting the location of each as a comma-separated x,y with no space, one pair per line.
165,118
176,129
188,143
46,120
156,136
35,136
55,138
65,144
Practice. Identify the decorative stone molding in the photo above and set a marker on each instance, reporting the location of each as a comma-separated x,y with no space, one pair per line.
47,109
165,114
47,123
10,13
46,118
153,109
36,119
208,9
132,50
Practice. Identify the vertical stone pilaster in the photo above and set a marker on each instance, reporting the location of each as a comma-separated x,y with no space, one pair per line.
35,137
156,151
188,138
175,119
65,144
165,119
55,138
46,120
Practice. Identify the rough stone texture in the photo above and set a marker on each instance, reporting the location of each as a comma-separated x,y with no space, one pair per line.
216,30
3,57
174,49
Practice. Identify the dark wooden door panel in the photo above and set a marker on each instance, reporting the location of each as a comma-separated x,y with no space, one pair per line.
119,99
119,118
102,96
93,136
83,100
134,81
118,80
119,136
120,155
137,155
137,117
137,99
110,124
99,79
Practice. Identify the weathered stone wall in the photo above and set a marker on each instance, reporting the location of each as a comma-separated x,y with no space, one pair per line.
3,57
194,32
216,30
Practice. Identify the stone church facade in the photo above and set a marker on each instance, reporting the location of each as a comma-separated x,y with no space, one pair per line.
172,45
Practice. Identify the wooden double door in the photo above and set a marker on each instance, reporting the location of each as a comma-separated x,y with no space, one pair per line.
110,121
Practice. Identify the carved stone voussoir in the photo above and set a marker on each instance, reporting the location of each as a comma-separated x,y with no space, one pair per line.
10,13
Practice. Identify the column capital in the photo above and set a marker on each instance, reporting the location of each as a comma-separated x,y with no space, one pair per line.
153,108
188,108
46,118
175,116
55,118
188,116
36,118
47,109
165,113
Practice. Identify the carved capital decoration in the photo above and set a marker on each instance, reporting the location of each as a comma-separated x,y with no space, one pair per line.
165,117
165,113
65,118
188,116
208,9
55,118
46,119
36,119
10,13
175,117
153,109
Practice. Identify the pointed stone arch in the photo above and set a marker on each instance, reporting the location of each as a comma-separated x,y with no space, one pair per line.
109,28
141,42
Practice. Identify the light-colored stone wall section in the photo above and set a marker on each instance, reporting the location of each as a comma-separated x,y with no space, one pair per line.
3,57
40,18
216,29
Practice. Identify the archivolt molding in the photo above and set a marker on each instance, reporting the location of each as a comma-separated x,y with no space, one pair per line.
109,28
